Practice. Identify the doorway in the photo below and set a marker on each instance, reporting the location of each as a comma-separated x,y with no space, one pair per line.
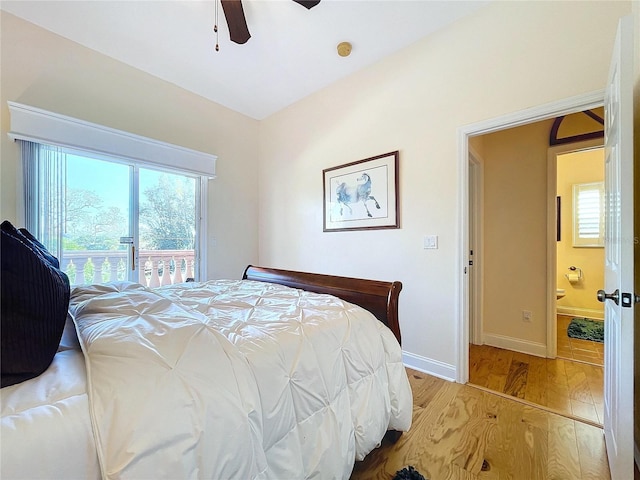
579,243
516,322
509,356
618,292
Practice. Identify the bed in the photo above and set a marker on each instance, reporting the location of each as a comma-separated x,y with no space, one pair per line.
281,374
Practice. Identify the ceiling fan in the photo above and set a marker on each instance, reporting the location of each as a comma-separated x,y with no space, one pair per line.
238,30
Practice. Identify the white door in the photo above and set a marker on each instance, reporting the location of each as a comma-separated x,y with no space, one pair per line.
618,374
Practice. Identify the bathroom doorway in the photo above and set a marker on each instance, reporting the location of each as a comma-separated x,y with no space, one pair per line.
580,254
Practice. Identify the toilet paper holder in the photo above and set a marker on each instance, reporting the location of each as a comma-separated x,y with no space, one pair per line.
576,274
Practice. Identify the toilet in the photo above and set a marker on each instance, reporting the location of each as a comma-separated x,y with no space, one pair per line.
560,293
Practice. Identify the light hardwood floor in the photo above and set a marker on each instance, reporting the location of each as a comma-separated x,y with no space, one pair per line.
575,348
462,432
564,386
572,385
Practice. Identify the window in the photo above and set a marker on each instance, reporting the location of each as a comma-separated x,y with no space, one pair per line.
111,219
588,214
89,188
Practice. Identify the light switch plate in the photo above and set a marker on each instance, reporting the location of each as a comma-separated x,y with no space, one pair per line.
430,241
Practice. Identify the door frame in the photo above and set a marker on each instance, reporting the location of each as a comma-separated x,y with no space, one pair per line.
516,119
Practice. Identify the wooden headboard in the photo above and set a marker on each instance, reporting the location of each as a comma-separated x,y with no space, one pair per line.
380,298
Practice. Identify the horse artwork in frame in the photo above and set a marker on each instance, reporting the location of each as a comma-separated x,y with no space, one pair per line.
362,195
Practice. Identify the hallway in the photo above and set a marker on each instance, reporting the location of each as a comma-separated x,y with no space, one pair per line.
569,386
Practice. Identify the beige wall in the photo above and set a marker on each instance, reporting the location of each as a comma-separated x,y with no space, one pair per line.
47,71
515,236
579,167
508,57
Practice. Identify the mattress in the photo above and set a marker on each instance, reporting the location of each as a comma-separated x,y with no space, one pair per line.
45,424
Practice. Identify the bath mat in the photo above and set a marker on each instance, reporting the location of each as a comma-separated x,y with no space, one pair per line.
586,329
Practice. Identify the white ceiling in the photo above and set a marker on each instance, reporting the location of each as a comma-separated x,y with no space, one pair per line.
291,52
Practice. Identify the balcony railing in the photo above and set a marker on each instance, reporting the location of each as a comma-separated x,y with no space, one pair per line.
157,267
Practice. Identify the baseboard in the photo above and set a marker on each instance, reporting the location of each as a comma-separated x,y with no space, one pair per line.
429,366
515,344
580,312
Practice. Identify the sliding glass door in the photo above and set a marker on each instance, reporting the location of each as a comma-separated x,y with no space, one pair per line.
167,227
111,220
97,216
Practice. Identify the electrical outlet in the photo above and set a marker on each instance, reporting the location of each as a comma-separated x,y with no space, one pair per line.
526,316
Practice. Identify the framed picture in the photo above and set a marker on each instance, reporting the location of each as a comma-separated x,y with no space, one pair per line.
362,195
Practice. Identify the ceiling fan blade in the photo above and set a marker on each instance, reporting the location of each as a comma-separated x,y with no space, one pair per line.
238,30
309,4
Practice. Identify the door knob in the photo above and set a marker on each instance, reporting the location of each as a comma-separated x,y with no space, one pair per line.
615,296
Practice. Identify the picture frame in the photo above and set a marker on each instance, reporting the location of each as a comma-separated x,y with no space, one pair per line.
362,195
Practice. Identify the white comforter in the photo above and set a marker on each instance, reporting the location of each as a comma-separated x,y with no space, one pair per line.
236,379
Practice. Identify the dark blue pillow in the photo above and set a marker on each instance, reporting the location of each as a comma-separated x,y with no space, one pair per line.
35,299
40,247
31,241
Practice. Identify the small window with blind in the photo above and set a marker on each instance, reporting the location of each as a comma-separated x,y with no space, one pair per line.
588,214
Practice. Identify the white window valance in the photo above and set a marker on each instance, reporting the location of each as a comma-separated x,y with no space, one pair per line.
41,126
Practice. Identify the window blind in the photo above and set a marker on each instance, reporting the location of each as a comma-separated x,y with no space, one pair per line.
588,214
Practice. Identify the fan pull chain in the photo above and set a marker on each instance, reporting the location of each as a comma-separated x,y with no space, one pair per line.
215,26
